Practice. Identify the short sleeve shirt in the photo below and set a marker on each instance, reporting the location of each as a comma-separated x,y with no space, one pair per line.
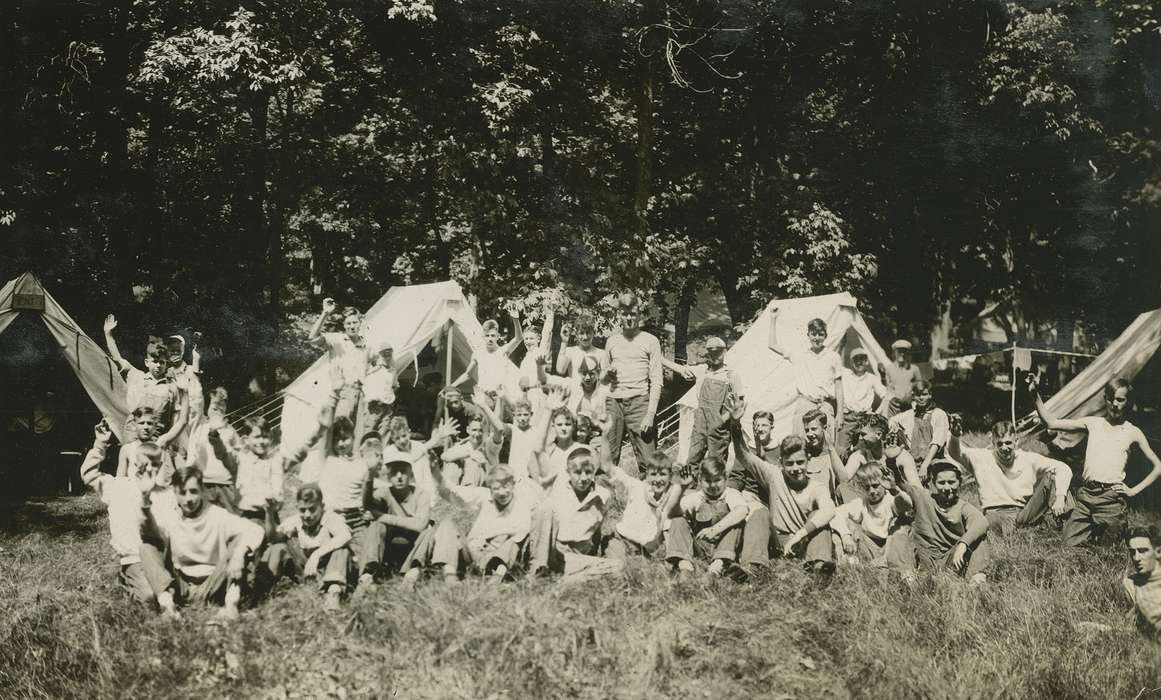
330,526
351,357
817,372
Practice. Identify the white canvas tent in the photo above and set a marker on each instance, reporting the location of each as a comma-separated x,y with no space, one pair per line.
409,318
1125,357
769,378
94,368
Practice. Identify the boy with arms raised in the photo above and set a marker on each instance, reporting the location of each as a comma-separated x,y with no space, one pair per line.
709,523
349,351
650,503
312,542
818,370
947,533
865,522
800,509
1016,487
1102,501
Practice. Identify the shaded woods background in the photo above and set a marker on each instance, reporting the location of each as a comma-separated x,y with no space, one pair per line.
225,166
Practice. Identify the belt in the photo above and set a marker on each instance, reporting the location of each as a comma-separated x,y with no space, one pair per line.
1105,485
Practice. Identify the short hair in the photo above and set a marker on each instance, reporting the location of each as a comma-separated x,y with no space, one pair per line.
561,411
895,436
868,472
1118,383
585,422
449,391
157,353
659,462
142,411
942,465
712,468
1002,428
921,385
585,324
1151,533
351,312
764,414
491,325
151,451
309,493
342,428
501,474
256,425
789,445
398,426
370,436
521,404
627,299
814,414
183,474
816,325
218,397
876,421
531,330
578,453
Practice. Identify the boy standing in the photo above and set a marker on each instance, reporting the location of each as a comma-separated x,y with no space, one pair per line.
862,388
349,351
926,426
710,436
1016,487
568,363
901,377
635,373
818,370
1102,501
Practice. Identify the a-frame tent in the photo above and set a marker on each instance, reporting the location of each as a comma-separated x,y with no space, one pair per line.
409,318
94,368
768,377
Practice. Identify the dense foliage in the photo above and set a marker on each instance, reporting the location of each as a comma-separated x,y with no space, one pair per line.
229,164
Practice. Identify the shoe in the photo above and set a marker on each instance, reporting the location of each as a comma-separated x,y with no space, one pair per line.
715,568
365,585
411,578
227,613
168,607
333,598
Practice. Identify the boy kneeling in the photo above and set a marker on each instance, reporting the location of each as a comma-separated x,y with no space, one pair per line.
316,540
710,523
208,547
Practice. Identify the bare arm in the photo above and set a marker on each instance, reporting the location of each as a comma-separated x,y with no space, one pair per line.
655,380
1050,421
546,331
315,336
415,523
179,420
1152,476
91,465
114,352
517,335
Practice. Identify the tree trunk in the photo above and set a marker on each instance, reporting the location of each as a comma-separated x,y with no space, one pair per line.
681,321
735,300
253,223
650,15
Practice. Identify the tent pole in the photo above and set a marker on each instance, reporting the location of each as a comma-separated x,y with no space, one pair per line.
1013,384
447,346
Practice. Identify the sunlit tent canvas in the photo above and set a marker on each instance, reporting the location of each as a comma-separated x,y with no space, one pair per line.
94,368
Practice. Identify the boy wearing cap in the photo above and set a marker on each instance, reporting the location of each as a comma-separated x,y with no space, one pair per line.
710,436
635,376
900,377
402,514
862,388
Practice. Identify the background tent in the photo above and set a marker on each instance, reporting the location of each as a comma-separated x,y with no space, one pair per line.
410,319
94,368
768,377
1124,357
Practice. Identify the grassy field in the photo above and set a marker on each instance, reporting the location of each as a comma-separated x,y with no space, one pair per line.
1051,623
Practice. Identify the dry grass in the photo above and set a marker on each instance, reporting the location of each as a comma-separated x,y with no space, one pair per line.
65,631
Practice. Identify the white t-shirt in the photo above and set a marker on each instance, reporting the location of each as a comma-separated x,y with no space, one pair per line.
331,526
692,500
352,358
1014,487
576,356
1107,452
817,372
493,370
379,385
341,482
859,391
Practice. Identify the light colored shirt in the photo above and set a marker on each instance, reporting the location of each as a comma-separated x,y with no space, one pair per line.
196,545
330,526
258,478
860,390
201,454
639,521
522,445
352,358
1107,451
876,519
379,385
691,501
638,366
816,373
341,482
1012,487
577,519
514,521
576,355
901,379
123,498
493,370
940,429
1145,593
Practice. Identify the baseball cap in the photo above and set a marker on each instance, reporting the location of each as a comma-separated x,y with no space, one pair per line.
859,352
715,343
901,344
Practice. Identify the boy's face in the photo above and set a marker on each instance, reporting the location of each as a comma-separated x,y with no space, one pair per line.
814,433
1004,447
351,325
155,366
189,498
817,339
715,357
258,443
658,481
584,431
343,444
146,427
372,454
860,364
399,478
1116,405
713,486
922,398
387,358
492,338
455,401
476,432
563,425
629,317
901,356
522,417
531,340
589,378
311,513
874,489
584,337
581,473
794,470
871,435
502,492
402,441
1143,555
762,428
945,488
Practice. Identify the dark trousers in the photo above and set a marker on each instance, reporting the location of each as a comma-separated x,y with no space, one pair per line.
1098,510
625,416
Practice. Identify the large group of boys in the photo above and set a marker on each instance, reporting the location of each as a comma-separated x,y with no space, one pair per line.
524,476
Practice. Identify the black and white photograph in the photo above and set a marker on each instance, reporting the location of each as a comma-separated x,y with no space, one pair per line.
580,349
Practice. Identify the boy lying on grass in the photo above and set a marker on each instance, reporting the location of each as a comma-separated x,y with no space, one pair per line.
1142,581
310,545
124,497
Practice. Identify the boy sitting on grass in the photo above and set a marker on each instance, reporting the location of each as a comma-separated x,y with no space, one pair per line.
709,525
947,532
926,427
566,527
1142,581
492,544
864,523
304,545
122,495
800,509
1017,488
402,513
208,548
650,503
